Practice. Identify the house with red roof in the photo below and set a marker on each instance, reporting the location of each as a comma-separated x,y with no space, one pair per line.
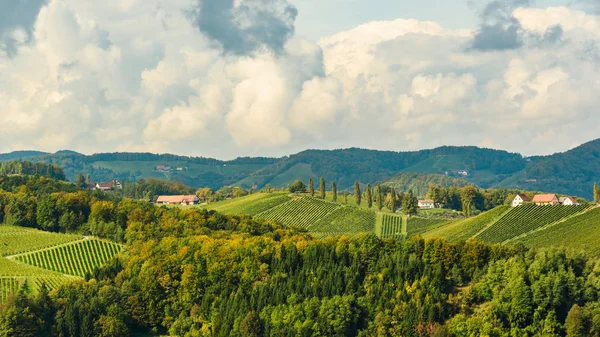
178,200
568,201
426,204
546,199
520,199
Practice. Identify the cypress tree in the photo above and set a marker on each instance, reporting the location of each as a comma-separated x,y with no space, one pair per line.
379,197
596,193
311,187
357,195
369,196
346,197
334,191
393,205
322,187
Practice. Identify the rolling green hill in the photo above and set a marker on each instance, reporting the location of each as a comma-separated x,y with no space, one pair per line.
419,182
572,172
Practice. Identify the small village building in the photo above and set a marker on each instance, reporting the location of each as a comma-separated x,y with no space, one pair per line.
568,201
463,173
426,204
109,186
546,199
520,199
178,200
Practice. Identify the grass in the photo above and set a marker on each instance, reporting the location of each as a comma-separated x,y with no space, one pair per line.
298,171
580,232
466,228
416,225
251,204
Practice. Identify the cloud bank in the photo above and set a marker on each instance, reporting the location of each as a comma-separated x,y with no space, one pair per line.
229,78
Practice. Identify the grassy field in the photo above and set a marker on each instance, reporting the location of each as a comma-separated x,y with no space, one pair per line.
251,204
466,228
298,171
580,232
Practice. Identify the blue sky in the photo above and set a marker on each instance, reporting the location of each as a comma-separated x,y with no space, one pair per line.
227,78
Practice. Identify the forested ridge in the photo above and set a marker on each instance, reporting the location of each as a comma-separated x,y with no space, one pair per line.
193,272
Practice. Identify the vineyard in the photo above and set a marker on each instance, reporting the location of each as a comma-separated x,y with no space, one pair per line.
14,274
301,212
524,219
251,205
580,232
390,227
78,258
346,220
16,240
416,225
466,228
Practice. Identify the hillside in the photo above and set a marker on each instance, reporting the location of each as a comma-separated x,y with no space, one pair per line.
571,172
419,182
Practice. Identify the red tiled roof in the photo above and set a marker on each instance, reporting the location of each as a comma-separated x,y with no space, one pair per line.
176,199
545,198
524,197
107,184
426,201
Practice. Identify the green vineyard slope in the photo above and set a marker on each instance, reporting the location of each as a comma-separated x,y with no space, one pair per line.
466,228
526,218
346,220
76,259
416,225
251,204
390,227
16,240
580,232
301,212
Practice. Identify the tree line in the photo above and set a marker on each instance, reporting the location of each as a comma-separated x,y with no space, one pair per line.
29,168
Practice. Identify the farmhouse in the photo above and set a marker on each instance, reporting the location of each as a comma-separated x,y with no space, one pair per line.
177,200
546,199
520,199
426,204
568,201
109,186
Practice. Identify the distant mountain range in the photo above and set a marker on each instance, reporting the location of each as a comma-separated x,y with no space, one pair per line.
572,172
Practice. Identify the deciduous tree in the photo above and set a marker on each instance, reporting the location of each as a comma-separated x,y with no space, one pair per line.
410,203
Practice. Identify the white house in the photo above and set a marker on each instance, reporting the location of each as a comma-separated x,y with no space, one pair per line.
426,204
177,200
520,199
463,173
546,199
568,201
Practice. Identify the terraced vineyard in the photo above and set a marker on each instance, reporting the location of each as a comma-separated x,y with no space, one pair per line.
416,225
466,228
390,227
526,218
580,232
78,258
251,204
15,240
346,220
301,212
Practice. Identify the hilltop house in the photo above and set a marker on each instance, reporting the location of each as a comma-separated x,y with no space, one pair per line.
546,199
568,201
520,199
426,204
109,186
178,200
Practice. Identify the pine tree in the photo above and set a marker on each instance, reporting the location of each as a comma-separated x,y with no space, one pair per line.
357,194
369,196
311,187
379,197
334,191
322,187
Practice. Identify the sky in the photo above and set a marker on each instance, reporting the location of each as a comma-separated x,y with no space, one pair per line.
229,78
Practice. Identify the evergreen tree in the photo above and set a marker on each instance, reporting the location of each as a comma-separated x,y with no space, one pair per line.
346,197
596,193
251,326
88,179
379,197
311,187
334,191
322,188
357,194
410,204
80,181
393,205
369,196
297,187
575,322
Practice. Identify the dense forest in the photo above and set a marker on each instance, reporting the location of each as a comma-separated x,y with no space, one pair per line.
29,168
192,272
